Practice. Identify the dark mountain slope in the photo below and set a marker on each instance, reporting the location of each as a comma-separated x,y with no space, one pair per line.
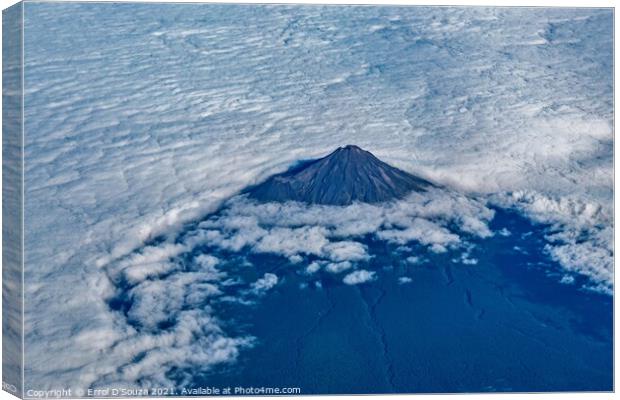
348,174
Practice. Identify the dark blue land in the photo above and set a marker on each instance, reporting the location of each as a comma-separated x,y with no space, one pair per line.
505,324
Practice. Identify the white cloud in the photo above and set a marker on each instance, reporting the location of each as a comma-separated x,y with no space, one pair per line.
358,277
404,279
422,231
291,229
567,280
265,283
295,259
207,261
468,261
581,237
196,340
313,267
504,232
287,241
152,261
336,268
438,248
414,260
345,250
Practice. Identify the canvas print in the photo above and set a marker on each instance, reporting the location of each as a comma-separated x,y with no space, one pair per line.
254,199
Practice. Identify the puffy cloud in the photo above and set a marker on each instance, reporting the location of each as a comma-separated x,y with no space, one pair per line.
295,259
358,277
580,233
336,268
265,283
151,261
291,241
504,232
567,280
413,260
313,267
291,228
206,261
157,301
196,340
346,250
589,259
465,259
422,231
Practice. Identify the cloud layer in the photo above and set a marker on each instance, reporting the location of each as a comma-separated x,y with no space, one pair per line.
329,233
178,107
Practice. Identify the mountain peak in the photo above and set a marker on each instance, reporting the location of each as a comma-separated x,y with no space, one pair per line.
351,147
346,175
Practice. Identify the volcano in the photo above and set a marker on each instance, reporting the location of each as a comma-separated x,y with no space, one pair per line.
347,175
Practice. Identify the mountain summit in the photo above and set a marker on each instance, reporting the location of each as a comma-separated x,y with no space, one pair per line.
347,175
